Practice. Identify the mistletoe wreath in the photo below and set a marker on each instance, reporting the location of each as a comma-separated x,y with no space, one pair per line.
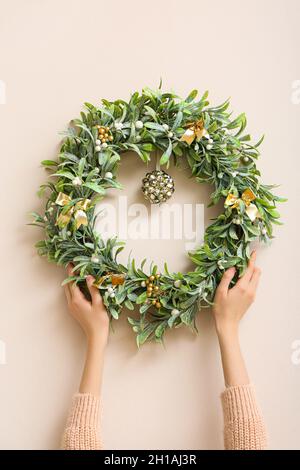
217,151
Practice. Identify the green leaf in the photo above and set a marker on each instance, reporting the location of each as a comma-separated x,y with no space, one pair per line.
129,304
141,298
274,213
191,96
178,120
49,163
95,187
154,126
166,155
151,112
232,233
64,174
114,313
81,166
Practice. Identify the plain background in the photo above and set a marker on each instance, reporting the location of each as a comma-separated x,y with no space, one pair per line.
56,54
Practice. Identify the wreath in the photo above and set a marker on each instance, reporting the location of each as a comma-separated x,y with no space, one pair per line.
217,151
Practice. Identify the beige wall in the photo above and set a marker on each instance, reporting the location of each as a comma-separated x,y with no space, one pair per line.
56,54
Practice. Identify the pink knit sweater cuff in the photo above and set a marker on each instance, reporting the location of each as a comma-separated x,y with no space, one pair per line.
84,411
240,402
244,427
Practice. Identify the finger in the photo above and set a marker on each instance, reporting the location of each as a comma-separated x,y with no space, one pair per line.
70,268
76,294
249,271
95,294
67,292
255,278
226,280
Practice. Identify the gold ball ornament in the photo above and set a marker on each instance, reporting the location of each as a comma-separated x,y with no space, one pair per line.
158,186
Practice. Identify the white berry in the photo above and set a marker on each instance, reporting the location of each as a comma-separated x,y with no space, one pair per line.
210,141
139,125
98,142
175,312
209,147
237,222
177,283
166,127
104,145
69,233
143,284
110,290
95,259
170,134
77,181
264,231
220,264
97,148
108,175
233,174
112,295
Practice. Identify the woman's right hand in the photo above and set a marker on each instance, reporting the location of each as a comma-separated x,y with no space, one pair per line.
230,305
92,316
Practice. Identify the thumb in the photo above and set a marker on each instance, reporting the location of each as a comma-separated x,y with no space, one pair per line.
95,294
226,279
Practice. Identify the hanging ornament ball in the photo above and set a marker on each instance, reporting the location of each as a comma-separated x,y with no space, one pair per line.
158,186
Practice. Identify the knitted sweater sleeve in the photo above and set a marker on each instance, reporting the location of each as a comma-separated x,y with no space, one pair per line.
244,427
82,429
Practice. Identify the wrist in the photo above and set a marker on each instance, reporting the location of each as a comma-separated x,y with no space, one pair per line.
227,330
96,341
